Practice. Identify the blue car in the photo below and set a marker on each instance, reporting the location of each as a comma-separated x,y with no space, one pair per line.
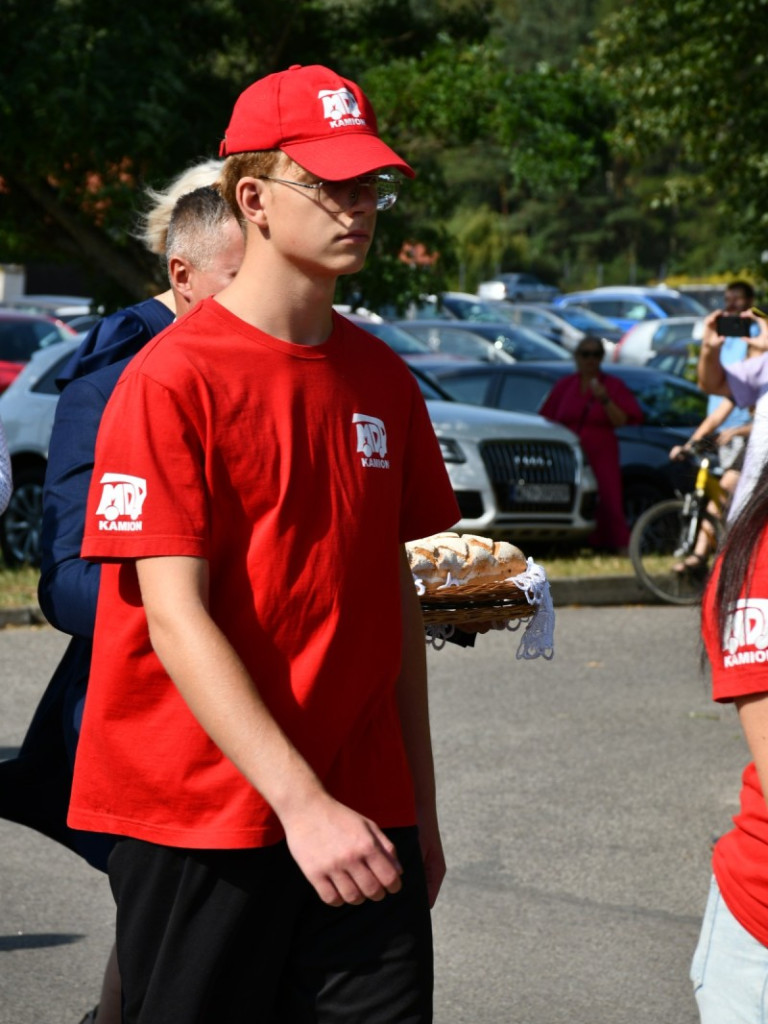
628,305
672,408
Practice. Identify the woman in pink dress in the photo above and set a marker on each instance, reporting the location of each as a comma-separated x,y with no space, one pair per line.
593,404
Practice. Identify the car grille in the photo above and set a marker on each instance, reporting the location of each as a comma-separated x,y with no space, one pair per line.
531,476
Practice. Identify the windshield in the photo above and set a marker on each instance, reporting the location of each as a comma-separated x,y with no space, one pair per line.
402,342
470,309
430,388
523,344
584,319
679,305
458,342
20,338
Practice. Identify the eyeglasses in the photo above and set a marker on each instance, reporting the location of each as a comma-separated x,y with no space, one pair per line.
590,353
385,187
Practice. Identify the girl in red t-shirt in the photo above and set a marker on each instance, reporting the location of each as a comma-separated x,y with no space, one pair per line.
730,966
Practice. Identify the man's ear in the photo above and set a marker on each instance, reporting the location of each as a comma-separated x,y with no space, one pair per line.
248,193
180,277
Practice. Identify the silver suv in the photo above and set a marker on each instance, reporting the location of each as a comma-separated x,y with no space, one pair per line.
514,474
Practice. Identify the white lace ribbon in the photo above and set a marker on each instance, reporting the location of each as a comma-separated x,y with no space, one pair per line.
538,639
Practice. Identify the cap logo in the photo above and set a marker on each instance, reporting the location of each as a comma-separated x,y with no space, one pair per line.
340,107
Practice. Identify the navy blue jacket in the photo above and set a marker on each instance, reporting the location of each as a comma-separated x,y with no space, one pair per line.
35,786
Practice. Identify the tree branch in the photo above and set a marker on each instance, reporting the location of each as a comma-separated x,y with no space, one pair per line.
89,241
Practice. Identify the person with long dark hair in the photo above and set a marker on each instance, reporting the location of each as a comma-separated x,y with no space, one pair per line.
730,966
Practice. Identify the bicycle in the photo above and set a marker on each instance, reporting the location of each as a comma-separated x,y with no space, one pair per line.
666,533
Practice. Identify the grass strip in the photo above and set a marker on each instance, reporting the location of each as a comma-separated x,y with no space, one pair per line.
18,585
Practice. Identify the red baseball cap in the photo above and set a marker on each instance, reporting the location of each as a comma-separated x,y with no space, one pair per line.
322,121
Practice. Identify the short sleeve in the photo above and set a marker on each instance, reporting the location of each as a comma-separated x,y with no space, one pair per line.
739,659
148,494
746,380
550,408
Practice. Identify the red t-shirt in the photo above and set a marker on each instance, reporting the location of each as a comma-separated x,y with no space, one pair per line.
296,471
739,668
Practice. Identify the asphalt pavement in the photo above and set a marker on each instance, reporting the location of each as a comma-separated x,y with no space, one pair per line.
578,801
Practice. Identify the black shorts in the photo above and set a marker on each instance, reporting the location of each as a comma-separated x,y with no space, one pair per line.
240,937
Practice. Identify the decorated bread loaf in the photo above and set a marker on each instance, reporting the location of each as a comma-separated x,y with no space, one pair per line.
466,557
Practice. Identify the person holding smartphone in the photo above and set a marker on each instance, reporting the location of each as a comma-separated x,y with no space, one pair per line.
739,296
745,382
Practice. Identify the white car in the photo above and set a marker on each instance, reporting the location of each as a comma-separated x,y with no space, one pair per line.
517,288
511,472
27,408
641,342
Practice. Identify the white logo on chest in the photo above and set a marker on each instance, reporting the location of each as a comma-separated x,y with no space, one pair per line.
371,441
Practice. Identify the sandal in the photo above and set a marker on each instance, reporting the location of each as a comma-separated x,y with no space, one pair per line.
91,1016
691,563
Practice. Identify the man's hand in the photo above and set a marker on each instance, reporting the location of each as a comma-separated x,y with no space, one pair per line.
760,342
710,338
727,435
711,376
344,856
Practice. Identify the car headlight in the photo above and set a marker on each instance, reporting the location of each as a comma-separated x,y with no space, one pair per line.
451,450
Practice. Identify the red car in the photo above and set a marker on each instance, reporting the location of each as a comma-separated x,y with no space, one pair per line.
21,334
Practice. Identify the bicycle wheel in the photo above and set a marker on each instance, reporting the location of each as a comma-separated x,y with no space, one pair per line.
660,539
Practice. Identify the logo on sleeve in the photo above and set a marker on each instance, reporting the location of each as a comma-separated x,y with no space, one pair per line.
371,441
746,635
340,108
122,498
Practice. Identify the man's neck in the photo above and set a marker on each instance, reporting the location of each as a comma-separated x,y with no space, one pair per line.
282,302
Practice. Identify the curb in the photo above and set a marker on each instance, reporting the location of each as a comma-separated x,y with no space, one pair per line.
591,590
27,615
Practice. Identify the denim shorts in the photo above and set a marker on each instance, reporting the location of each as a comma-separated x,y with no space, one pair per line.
731,454
730,969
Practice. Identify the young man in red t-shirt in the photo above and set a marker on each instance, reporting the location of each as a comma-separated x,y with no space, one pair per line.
257,723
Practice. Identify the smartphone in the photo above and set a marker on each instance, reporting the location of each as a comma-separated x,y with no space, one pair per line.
733,326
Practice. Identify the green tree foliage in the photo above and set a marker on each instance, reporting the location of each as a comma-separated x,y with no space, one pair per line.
487,140
510,123
690,78
552,31
101,97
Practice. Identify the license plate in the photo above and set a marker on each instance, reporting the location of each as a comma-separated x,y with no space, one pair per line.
547,494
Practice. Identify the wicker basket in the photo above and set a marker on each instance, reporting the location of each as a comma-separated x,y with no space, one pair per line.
475,603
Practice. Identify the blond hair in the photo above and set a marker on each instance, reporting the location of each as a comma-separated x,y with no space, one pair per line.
153,225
